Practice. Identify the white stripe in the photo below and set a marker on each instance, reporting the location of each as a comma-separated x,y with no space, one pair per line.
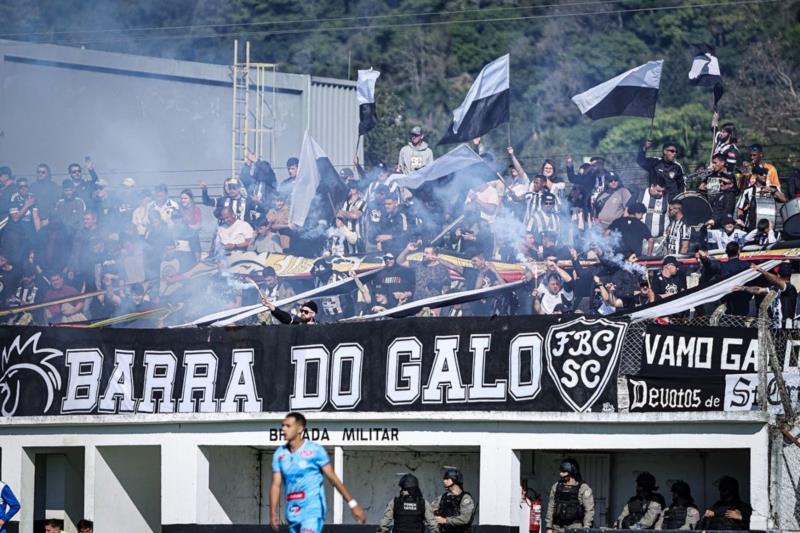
647,76
365,87
704,64
456,159
494,78
703,296
308,178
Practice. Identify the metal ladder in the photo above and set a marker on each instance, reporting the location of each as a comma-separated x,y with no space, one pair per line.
253,118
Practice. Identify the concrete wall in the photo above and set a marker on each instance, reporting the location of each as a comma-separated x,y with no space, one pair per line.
127,488
156,120
59,485
373,475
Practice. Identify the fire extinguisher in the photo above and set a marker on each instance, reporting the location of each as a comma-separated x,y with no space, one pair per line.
535,521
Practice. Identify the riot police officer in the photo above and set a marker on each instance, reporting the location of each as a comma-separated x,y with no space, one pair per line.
409,512
455,508
571,503
643,510
682,512
730,512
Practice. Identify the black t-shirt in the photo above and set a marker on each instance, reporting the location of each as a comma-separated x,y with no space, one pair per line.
788,298
632,232
668,286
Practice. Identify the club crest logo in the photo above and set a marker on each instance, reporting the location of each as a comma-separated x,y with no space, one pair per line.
582,355
20,363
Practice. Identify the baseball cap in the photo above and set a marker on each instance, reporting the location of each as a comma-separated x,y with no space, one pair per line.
346,173
388,255
637,207
727,219
129,182
671,260
416,130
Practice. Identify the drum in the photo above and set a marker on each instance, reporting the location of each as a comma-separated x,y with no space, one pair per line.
791,217
766,208
696,209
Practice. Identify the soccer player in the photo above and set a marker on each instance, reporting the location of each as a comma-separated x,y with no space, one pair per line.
301,464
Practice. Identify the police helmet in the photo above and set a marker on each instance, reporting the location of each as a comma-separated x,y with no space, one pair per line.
646,480
569,466
409,481
454,475
681,490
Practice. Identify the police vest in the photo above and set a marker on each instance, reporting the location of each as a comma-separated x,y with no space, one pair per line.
568,508
637,507
409,514
675,517
721,522
450,505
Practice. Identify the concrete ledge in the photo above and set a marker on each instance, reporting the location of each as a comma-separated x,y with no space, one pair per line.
340,528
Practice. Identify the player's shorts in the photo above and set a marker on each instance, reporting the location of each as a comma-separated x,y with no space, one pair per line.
310,525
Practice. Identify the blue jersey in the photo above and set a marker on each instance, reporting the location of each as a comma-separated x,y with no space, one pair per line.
302,479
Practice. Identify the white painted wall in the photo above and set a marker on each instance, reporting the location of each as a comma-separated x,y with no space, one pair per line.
127,489
372,475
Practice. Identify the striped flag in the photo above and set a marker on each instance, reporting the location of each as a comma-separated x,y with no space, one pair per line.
705,71
365,90
633,93
486,105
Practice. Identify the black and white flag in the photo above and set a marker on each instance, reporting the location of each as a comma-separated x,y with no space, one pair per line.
365,90
705,71
314,170
458,158
633,93
486,105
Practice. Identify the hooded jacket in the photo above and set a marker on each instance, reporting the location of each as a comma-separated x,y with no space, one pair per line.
414,157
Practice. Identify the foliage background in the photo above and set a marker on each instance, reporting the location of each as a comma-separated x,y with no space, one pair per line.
429,51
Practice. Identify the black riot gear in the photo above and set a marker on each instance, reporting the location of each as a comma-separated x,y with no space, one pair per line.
568,508
675,517
450,505
409,513
454,475
409,481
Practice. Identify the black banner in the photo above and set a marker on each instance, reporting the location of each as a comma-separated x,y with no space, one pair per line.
503,364
690,352
647,395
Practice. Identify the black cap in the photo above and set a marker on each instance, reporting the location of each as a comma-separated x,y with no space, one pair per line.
346,173
671,260
68,184
646,480
548,197
311,304
727,219
409,481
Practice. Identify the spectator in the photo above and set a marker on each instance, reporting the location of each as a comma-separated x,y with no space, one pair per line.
416,154
627,279
534,198
723,203
583,185
555,289
518,185
87,253
725,144
554,183
52,525
630,232
546,218
9,278
65,312
69,209
678,234
141,215
234,234
7,188
167,208
669,281
45,191
84,188
762,168
352,212
105,305
730,512
23,223
274,288
127,199
486,199
307,314
431,277
187,231
737,302
259,180
763,235
85,526
782,311
286,186
656,205
728,232
265,241
664,169
27,292
340,238
231,198
610,204
395,281
278,218
392,233
746,207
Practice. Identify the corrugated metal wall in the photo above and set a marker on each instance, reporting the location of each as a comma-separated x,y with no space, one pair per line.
334,119
156,120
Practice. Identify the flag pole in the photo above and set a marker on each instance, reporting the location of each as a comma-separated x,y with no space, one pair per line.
358,141
714,125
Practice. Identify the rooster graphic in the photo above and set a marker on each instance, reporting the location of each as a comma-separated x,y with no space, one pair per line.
16,362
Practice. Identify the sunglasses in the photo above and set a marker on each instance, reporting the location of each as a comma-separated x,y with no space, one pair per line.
549,203
671,151
306,311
